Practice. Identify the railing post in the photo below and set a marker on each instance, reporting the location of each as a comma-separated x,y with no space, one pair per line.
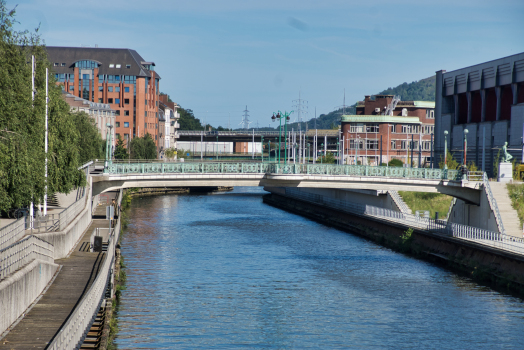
222,168
162,168
366,170
142,168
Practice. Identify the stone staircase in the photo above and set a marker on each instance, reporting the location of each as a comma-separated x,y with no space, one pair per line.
509,215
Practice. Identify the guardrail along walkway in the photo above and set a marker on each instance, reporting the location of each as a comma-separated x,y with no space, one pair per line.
44,320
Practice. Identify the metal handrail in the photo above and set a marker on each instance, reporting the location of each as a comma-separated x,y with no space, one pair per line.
399,202
12,232
59,221
493,204
481,236
21,253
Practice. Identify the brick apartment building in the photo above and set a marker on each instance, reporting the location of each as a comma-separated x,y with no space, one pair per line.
120,78
384,122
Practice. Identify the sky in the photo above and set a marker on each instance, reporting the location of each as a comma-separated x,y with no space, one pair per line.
217,57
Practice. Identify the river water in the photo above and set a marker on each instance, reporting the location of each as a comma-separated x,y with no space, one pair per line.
226,271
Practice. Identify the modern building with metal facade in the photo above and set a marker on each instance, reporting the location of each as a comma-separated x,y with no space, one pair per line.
487,99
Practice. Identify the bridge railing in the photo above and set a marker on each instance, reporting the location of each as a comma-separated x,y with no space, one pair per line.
21,253
275,168
490,238
493,203
12,232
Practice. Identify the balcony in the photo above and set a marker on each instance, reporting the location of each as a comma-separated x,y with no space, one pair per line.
176,125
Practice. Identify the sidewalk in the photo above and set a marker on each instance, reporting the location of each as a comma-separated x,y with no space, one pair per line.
47,316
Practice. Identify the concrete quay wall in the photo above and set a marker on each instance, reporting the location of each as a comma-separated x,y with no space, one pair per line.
19,291
484,264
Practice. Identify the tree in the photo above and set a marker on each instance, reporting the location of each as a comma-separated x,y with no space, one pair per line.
22,123
90,143
450,161
143,147
328,159
120,149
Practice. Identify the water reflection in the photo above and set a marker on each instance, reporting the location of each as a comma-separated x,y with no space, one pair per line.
227,271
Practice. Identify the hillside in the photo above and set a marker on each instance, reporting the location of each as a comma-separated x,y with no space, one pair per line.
422,90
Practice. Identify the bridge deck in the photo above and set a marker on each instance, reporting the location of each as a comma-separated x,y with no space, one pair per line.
38,327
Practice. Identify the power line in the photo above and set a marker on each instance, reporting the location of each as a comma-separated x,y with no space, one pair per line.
245,119
301,108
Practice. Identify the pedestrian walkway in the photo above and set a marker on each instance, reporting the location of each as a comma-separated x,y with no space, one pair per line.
44,320
509,215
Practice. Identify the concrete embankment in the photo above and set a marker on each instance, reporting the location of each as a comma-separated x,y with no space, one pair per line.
499,268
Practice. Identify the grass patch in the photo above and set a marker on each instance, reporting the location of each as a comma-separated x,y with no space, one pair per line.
516,193
434,202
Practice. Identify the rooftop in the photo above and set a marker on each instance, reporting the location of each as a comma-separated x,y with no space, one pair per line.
379,119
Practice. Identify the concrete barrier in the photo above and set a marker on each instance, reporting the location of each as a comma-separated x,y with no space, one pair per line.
64,241
18,291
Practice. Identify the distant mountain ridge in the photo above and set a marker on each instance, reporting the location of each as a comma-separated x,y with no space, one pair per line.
422,90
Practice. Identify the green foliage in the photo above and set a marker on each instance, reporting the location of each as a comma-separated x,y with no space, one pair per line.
329,158
188,121
170,153
472,166
496,162
90,143
182,153
143,147
450,160
407,236
22,122
395,162
434,202
120,149
516,194
422,90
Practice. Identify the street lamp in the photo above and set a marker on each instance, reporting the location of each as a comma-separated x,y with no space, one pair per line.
465,145
445,149
338,152
281,116
321,147
308,152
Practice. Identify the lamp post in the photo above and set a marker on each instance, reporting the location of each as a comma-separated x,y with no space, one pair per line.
465,145
262,147
308,152
445,149
338,152
217,146
321,147
281,116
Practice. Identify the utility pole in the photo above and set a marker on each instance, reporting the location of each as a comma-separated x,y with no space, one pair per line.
245,119
301,107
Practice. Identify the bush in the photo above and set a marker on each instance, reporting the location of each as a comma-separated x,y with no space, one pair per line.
395,162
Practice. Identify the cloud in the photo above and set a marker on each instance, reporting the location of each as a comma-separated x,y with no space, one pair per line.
297,24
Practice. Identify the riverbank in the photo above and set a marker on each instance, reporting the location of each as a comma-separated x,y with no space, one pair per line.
499,269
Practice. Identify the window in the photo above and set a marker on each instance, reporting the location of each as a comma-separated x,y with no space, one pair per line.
109,100
430,113
403,144
392,128
111,65
126,112
63,64
100,88
145,114
85,76
55,64
128,66
126,101
372,144
117,100
354,143
410,129
356,127
428,129
100,100
426,145
110,89
118,66
86,64
71,88
126,124
372,127
117,124
117,112
126,89
117,88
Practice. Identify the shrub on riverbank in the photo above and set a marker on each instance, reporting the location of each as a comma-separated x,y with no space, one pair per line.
516,193
434,202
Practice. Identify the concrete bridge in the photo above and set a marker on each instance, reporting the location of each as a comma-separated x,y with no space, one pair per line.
196,174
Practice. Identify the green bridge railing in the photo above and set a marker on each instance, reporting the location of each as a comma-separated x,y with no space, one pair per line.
275,168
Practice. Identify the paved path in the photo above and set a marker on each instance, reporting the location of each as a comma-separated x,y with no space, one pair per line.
43,321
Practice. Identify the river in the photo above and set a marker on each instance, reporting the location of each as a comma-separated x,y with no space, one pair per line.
226,271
